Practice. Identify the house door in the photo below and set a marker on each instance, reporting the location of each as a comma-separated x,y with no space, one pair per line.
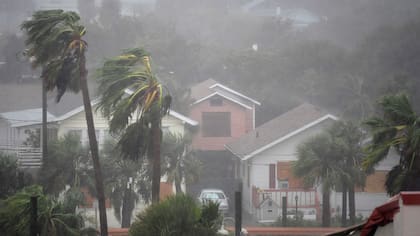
272,176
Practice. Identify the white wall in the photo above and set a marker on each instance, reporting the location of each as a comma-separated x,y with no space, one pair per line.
284,151
78,122
406,222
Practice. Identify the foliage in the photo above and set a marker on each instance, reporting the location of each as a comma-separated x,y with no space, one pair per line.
133,101
8,175
333,159
180,163
55,43
348,138
54,217
396,128
317,161
34,138
63,164
177,215
125,182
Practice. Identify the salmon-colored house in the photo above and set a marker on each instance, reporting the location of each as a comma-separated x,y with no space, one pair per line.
223,115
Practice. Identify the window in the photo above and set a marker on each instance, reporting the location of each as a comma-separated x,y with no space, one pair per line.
216,102
272,175
283,184
216,124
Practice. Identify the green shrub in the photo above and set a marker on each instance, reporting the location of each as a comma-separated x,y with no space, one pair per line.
177,215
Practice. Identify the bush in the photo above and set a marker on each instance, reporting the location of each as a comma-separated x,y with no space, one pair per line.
177,215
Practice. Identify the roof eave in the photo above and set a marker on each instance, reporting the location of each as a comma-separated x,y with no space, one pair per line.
224,96
287,136
236,93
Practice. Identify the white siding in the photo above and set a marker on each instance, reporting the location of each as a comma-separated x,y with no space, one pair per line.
78,122
284,151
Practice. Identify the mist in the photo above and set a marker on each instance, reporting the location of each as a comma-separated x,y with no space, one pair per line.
341,56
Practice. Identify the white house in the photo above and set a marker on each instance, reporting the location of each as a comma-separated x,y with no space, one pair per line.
264,156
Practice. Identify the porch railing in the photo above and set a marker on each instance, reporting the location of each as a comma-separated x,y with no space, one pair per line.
27,157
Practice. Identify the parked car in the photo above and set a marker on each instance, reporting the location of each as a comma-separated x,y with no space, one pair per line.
215,195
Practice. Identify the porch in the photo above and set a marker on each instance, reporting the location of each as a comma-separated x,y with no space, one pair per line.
27,156
306,202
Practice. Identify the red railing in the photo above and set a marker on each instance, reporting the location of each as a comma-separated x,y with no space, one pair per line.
303,198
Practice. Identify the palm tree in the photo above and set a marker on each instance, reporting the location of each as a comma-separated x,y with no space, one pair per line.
55,43
318,164
180,162
347,139
397,128
126,180
132,99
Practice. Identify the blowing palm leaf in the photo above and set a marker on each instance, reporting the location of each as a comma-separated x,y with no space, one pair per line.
132,100
398,129
55,43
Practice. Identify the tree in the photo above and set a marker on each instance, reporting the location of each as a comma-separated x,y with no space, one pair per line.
126,181
62,164
318,164
55,43
347,139
130,92
397,128
55,217
180,164
8,175
178,215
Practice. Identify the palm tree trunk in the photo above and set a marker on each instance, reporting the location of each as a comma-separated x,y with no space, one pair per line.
178,186
156,137
127,208
352,205
44,133
326,214
93,146
344,206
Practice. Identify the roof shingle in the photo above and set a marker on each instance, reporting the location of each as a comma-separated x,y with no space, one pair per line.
275,129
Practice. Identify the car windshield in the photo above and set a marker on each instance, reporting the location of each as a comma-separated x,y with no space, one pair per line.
212,195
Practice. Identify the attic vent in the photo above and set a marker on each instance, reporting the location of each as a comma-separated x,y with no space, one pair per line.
217,101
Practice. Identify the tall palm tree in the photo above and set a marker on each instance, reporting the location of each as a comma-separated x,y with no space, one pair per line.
180,164
318,164
132,99
347,137
55,43
398,128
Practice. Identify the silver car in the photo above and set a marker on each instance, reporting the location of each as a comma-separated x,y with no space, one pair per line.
215,195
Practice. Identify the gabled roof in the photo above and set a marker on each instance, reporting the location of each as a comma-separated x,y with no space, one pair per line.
75,111
209,88
25,117
277,130
183,118
79,109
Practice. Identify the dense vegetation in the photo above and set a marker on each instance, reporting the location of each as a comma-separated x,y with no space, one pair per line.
178,215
